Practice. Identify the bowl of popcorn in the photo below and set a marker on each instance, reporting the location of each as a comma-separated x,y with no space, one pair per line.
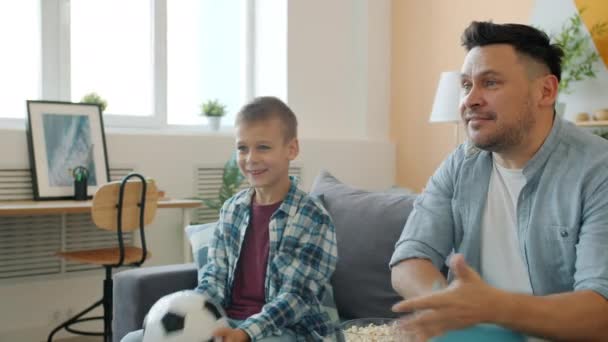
374,330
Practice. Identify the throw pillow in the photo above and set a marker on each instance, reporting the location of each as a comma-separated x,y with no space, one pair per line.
368,224
200,236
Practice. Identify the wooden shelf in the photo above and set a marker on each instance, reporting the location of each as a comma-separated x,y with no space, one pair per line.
592,123
11,208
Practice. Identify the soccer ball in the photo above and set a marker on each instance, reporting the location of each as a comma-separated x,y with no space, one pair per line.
184,316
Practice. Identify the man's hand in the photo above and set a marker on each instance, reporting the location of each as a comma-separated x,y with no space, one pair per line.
467,301
232,335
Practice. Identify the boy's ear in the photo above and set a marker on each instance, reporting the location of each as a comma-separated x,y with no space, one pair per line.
293,148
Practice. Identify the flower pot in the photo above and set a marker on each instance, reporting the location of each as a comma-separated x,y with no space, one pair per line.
214,122
601,115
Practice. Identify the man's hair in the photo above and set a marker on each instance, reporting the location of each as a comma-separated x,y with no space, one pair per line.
526,40
269,107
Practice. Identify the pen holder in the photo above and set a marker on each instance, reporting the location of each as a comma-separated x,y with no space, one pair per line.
81,176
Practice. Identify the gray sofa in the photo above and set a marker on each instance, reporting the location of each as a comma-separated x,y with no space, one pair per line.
367,226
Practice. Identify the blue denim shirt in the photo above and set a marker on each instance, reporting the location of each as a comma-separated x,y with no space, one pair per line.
562,212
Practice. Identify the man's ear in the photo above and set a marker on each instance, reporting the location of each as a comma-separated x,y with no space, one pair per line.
549,89
293,148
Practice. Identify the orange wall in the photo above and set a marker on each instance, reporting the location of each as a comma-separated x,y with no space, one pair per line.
596,16
425,42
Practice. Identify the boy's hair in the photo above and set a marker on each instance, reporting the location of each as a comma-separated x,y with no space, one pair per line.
526,40
268,107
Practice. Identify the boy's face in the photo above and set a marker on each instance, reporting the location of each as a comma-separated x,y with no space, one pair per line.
263,155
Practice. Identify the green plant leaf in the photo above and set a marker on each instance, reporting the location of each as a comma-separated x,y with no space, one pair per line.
94,98
213,108
231,182
213,204
602,133
579,56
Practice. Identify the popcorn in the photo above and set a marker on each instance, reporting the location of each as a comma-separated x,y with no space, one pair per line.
375,333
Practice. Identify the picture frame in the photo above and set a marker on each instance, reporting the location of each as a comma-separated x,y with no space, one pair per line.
61,137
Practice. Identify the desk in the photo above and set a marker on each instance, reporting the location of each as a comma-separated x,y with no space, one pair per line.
27,208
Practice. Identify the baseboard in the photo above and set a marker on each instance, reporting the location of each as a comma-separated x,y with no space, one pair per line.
40,334
29,334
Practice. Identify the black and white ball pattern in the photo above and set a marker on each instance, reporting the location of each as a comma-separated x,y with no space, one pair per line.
185,316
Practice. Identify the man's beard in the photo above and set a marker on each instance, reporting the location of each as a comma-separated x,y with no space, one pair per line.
507,137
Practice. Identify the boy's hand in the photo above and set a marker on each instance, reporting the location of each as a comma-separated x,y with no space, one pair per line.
232,335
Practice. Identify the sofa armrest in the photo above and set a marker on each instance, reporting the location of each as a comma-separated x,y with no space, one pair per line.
136,290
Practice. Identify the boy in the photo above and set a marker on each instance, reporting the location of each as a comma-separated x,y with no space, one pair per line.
274,247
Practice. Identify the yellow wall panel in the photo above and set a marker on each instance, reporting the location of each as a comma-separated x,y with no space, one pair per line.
596,11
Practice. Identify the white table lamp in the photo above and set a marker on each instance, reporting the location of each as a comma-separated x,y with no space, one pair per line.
447,100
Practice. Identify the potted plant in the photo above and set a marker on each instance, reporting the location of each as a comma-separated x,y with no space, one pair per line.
213,110
95,99
580,57
232,178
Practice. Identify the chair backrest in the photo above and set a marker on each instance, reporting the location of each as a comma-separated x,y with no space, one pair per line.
104,210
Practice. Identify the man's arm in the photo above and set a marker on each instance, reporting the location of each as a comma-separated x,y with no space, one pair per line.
468,300
573,316
415,277
429,234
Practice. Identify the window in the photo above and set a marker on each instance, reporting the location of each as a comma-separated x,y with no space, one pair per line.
205,57
154,61
112,53
270,71
20,57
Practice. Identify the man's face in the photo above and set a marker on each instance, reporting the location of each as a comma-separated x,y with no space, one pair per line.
496,106
263,153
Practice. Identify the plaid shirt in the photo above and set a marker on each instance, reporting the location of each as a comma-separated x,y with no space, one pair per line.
301,259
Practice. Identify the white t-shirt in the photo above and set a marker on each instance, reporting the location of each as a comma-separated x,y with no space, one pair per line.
502,261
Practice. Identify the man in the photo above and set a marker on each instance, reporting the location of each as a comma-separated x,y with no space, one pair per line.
522,207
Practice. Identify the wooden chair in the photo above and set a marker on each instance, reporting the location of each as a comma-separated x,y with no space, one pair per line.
117,206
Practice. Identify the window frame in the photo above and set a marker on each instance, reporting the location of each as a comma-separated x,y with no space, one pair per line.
56,70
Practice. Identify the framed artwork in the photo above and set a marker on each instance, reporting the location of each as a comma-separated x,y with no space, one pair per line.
64,137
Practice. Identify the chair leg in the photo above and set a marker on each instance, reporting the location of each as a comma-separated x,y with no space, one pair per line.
105,302
76,319
107,305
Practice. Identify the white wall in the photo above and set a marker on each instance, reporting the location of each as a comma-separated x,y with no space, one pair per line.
338,74
339,67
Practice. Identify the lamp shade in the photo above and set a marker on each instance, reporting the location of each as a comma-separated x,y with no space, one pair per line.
447,98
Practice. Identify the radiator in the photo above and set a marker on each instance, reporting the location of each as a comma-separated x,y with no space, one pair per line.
208,183
28,243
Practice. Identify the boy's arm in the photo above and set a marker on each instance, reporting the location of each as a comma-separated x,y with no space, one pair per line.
212,278
307,259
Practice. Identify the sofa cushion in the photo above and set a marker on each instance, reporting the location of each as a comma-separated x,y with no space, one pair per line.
200,236
137,289
368,224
